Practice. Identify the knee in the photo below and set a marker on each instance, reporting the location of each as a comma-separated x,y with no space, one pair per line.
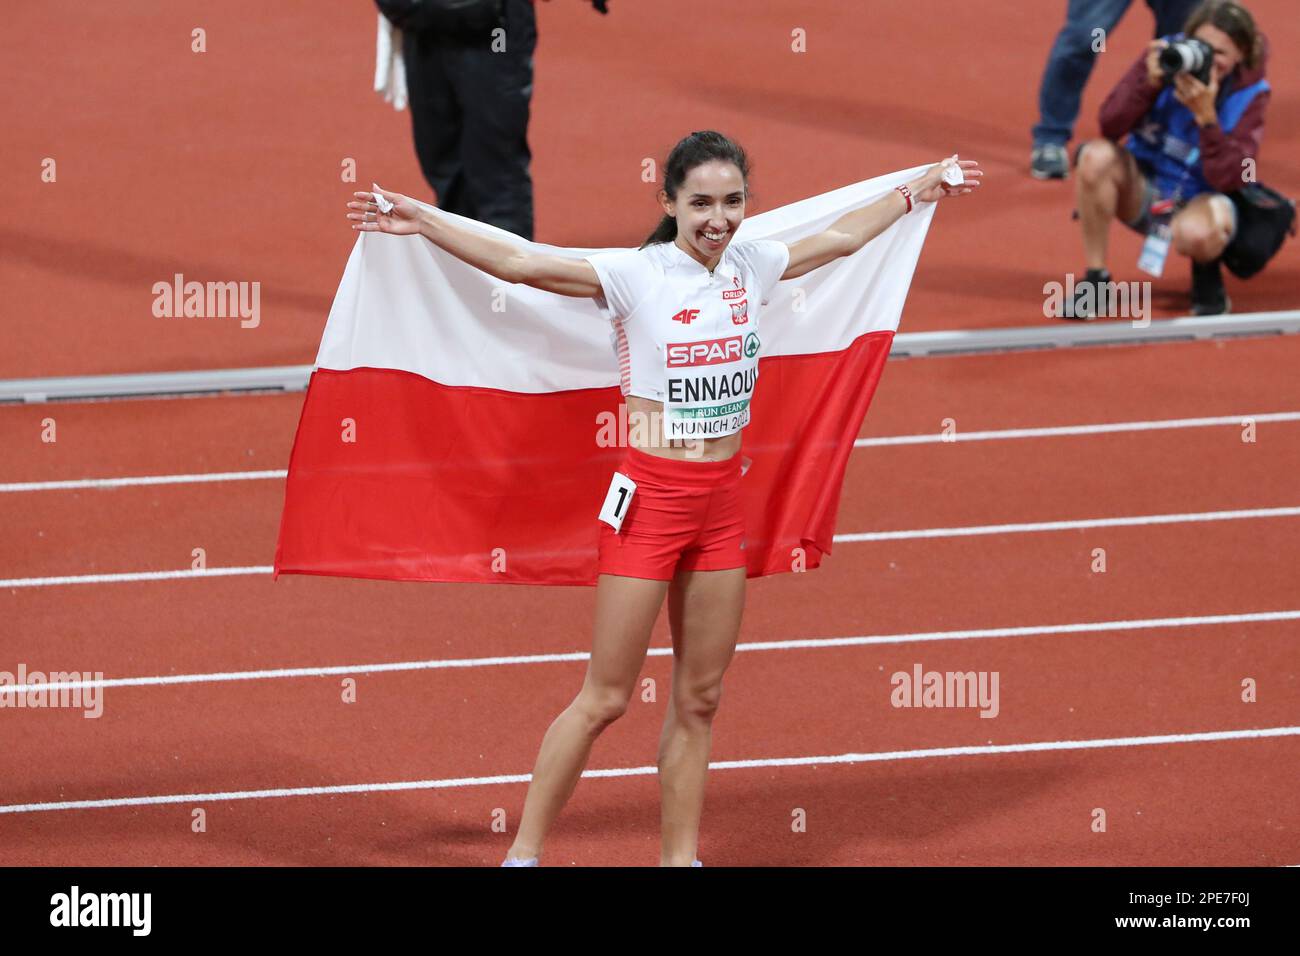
1197,237
601,707
1098,161
698,704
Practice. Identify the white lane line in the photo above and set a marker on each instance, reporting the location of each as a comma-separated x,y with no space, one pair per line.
850,758
132,576
141,480
285,673
958,532
1238,421
1024,527
998,434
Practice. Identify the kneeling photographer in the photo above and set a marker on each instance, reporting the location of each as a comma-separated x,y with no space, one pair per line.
1193,110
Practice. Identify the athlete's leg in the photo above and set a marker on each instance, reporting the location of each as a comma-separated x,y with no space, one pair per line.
1109,183
626,609
704,611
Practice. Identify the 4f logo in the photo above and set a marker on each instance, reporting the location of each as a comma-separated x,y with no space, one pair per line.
740,312
686,316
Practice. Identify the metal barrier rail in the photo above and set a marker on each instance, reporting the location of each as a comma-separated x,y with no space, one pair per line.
294,378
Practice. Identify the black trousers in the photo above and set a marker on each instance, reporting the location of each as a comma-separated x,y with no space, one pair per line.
469,113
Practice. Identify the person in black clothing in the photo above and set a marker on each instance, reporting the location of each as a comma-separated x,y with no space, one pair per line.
469,76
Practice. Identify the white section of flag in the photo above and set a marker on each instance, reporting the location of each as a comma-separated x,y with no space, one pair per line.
404,303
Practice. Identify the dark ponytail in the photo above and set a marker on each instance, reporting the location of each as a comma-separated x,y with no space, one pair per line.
700,147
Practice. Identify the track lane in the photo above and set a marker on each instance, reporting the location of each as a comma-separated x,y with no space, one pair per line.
977,808
257,729
486,721
222,624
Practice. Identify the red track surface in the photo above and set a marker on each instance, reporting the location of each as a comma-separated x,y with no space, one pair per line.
225,165
1219,802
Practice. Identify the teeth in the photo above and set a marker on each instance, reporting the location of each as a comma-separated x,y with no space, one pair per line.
715,236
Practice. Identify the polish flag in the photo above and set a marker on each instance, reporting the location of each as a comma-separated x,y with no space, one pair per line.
459,428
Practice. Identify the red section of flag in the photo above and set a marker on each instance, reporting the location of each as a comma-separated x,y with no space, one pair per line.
465,484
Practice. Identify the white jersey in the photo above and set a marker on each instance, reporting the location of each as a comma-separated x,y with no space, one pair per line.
687,337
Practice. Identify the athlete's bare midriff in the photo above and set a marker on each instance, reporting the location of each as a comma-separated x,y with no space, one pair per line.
645,431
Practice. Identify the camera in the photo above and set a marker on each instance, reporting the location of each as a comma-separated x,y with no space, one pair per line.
1188,56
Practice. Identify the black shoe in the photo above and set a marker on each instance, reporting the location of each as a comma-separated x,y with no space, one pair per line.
1208,294
1088,296
1049,161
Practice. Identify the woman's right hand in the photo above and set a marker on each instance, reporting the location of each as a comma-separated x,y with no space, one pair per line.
402,220
1155,75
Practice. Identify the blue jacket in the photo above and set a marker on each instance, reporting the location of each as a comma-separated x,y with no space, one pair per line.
1168,140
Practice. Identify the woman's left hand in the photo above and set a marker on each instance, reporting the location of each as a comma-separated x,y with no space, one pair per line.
931,187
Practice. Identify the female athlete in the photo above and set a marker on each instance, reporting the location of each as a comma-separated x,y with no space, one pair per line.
684,309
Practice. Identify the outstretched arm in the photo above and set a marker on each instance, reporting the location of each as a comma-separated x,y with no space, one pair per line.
854,230
496,257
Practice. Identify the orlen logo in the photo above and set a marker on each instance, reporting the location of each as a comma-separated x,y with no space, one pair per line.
708,352
729,294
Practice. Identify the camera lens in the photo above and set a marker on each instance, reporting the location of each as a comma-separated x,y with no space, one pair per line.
1175,58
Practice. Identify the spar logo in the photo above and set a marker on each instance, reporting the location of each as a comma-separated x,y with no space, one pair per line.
706,352
751,345
740,312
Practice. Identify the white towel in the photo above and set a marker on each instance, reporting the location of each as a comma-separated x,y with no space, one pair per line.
390,69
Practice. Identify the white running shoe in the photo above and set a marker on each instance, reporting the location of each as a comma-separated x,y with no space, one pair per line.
697,863
527,861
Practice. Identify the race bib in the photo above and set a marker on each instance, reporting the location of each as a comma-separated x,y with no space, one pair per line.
708,385
617,500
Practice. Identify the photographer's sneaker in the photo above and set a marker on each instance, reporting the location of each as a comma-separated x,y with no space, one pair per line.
1049,161
1088,295
1209,297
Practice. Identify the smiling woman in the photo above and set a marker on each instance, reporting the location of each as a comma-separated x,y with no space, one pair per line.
693,282
685,312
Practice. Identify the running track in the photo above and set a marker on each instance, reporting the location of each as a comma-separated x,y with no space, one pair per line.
225,165
1135,693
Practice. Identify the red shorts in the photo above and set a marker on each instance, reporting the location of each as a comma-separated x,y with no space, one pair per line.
684,514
